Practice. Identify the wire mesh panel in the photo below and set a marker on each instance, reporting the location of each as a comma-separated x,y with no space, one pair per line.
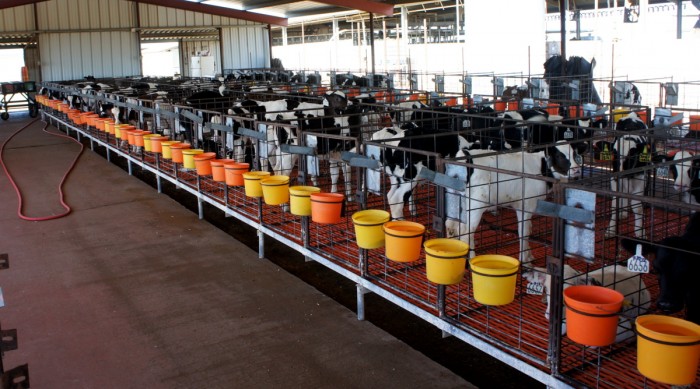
433,176
649,208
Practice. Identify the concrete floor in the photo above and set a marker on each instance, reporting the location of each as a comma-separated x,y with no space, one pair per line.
132,290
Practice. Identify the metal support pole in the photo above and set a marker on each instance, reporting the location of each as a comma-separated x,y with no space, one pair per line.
200,204
562,20
679,19
158,183
371,41
261,235
261,244
200,207
128,164
361,291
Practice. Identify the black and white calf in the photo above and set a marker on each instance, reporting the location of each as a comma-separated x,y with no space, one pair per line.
629,151
413,153
488,189
348,126
686,176
677,263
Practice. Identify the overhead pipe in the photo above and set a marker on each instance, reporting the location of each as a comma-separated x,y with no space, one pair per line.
216,10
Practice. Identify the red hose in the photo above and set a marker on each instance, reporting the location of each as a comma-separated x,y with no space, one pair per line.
60,185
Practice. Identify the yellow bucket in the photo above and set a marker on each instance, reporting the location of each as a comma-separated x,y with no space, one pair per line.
368,227
619,113
494,278
252,183
109,127
445,260
300,199
402,240
165,148
147,142
275,190
188,157
668,349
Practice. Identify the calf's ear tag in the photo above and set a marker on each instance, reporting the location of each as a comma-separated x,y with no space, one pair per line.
662,171
536,288
637,263
606,155
568,134
645,156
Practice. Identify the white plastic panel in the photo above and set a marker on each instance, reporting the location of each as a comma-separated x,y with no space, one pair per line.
17,19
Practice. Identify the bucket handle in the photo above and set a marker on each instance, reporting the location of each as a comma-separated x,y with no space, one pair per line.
609,314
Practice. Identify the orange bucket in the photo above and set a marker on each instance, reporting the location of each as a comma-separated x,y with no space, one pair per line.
499,106
403,240
552,109
90,119
156,146
176,151
100,124
138,137
592,314
326,208
218,173
575,111
72,115
202,163
695,122
233,173
131,136
513,105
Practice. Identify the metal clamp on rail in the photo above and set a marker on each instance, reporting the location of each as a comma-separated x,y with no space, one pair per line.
251,133
572,214
191,116
442,180
359,160
293,149
218,127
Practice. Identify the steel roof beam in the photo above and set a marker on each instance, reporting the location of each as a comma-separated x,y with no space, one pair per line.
216,10
16,3
363,5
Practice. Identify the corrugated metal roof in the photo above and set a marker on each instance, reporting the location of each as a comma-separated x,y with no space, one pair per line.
161,34
16,40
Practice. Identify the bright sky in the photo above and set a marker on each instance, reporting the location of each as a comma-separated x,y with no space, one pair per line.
11,62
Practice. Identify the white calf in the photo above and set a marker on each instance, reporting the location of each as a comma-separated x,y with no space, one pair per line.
488,189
